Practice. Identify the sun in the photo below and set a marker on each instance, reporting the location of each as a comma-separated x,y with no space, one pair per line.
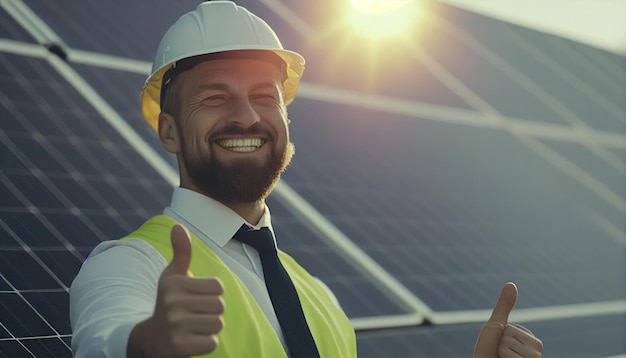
369,34
383,18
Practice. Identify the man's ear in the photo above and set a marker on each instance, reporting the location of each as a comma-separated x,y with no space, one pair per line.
168,133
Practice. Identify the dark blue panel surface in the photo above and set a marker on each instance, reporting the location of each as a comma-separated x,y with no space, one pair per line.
20,319
24,272
101,27
53,307
48,347
13,349
585,337
121,90
451,216
358,294
71,182
10,29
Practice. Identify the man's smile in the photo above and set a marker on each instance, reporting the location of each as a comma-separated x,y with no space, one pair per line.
242,145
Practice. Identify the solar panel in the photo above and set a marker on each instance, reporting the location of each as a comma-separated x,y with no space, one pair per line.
95,26
490,153
442,250
576,338
65,200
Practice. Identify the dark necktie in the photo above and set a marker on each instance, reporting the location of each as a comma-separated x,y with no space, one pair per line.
282,293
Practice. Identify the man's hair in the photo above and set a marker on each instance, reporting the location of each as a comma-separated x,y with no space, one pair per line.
170,102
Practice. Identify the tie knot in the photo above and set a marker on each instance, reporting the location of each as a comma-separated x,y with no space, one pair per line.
262,240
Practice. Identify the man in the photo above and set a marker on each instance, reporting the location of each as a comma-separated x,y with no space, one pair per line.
217,97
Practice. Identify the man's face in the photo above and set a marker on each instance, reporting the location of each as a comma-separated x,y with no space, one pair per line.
233,129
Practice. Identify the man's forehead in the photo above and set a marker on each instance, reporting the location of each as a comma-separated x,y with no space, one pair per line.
226,74
189,63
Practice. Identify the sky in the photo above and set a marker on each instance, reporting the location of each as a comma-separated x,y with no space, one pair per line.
599,23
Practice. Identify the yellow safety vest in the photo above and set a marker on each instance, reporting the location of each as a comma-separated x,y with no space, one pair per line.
247,333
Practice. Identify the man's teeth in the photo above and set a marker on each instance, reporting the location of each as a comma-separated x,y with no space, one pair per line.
241,145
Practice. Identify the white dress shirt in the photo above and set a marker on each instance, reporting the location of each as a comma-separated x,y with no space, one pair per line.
116,287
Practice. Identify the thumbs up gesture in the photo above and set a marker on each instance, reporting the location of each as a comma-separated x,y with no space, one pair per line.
187,315
498,339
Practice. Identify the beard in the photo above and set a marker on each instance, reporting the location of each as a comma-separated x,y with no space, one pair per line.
242,182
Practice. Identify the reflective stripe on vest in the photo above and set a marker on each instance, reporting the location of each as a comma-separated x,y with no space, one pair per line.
247,332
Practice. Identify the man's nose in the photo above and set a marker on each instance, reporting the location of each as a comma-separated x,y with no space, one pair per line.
243,114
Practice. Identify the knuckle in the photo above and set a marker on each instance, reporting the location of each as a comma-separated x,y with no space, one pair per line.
507,340
216,286
166,283
170,302
215,305
539,346
178,343
212,343
219,324
220,305
174,322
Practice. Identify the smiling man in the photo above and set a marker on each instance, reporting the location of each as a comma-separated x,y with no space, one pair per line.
217,97
205,277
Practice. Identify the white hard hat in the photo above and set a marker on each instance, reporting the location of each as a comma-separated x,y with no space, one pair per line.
215,26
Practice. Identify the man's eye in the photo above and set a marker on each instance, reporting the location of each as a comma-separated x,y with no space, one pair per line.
216,98
264,97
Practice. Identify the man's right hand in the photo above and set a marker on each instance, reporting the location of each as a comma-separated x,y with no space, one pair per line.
187,316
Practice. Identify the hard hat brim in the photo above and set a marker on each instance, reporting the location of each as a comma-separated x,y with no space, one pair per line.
151,93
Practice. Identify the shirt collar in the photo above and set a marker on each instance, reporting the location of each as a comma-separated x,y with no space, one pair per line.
212,218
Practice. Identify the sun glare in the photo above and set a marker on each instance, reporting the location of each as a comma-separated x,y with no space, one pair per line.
371,35
381,18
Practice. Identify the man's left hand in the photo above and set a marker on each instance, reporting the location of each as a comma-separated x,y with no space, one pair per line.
499,339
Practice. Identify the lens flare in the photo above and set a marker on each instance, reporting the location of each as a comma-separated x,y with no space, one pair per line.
380,18
379,6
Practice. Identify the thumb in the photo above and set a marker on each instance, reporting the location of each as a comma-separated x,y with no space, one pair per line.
181,248
491,333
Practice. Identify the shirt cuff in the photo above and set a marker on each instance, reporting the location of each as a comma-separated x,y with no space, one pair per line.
118,340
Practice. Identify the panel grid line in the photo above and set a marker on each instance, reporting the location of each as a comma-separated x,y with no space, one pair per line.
33,255
19,294
13,338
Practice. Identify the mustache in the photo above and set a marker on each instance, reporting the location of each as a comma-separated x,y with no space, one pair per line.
235,130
